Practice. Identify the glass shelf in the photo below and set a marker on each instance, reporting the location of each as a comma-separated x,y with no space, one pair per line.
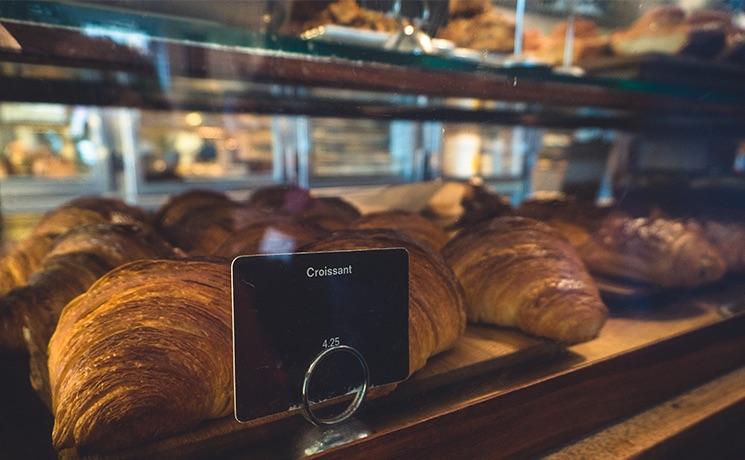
118,58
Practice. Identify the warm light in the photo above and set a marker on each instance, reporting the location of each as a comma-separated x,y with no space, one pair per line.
409,30
193,119
231,144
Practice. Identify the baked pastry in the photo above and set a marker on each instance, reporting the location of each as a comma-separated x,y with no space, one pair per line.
330,213
410,224
659,30
349,13
28,314
269,237
467,7
519,272
144,353
652,250
587,43
290,198
89,210
657,251
185,203
24,258
202,230
436,309
488,31
728,236
459,204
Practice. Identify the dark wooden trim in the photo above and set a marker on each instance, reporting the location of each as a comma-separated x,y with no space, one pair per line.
69,48
539,416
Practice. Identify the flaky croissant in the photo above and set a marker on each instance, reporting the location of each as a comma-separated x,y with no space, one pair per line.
410,224
519,272
144,353
269,237
23,259
436,309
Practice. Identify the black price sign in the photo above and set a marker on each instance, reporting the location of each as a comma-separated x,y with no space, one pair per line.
289,308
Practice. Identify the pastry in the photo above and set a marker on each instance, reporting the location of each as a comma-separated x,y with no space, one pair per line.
410,224
488,31
203,229
587,43
144,353
185,203
521,273
652,250
24,258
75,261
436,309
269,237
349,13
458,204
330,213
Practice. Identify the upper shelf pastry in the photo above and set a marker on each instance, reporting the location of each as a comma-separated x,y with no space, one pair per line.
522,273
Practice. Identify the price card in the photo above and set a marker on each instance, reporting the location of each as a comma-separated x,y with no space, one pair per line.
289,308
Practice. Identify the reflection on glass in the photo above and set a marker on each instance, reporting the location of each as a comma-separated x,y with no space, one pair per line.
194,145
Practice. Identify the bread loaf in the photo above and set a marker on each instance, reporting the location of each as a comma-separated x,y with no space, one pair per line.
436,309
410,224
521,273
144,353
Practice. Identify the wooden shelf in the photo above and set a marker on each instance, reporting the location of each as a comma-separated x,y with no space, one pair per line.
506,402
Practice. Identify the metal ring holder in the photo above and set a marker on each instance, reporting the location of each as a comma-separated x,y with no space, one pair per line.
358,398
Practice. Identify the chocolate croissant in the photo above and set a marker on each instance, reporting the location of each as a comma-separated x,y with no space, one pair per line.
436,309
269,237
521,273
412,225
144,353
652,250
657,251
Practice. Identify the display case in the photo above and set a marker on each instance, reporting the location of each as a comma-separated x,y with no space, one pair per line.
520,223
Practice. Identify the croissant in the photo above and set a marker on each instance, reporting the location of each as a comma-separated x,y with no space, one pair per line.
269,237
89,210
728,236
330,213
652,250
436,306
77,259
144,353
202,230
658,251
519,272
23,259
290,198
410,224
184,203
458,205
